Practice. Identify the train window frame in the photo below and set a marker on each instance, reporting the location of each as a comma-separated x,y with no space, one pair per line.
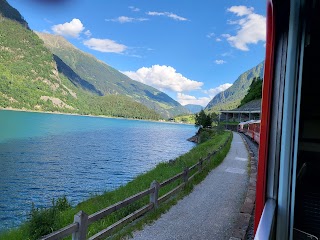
280,150
290,129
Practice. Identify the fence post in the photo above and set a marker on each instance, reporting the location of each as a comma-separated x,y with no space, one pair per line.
200,164
155,194
185,175
82,219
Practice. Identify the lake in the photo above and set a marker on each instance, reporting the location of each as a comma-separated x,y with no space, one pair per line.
46,156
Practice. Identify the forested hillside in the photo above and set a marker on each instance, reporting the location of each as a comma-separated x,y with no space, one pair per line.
104,79
28,72
30,80
9,12
231,98
193,108
255,91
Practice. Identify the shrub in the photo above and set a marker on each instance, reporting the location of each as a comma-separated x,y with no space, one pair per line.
204,136
43,221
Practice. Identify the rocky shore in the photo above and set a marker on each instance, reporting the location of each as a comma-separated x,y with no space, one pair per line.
194,139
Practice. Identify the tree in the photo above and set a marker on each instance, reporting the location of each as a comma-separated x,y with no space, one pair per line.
203,120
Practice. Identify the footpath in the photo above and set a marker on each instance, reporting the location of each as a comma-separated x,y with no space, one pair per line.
211,210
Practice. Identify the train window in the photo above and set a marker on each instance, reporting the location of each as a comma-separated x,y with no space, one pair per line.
299,192
298,199
307,193
288,188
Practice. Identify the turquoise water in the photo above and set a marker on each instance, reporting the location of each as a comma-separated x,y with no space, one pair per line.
46,156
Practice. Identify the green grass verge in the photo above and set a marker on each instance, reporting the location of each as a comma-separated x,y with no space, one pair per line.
160,173
154,215
190,119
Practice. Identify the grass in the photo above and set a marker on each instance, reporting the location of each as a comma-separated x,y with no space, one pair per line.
160,173
154,215
190,119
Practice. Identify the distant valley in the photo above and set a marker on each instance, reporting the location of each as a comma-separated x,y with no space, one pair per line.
193,108
88,73
45,72
50,74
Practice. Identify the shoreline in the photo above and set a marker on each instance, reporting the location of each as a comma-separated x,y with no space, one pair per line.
138,184
83,115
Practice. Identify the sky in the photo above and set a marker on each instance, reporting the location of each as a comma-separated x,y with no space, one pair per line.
189,49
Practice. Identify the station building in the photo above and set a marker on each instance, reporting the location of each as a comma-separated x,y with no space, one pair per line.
249,111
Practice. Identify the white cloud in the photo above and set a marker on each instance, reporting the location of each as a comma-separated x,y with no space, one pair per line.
241,10
225,35
252,28
134,9
226,54
220,61
125,19
214,91
88,33
218,39
167,14
47,20
210,35
135,55
104,45
164,78
185,99
71,29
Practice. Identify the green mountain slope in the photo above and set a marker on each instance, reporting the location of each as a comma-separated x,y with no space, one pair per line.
27,71
31,80
108,80
231,98
9,12
193,108
254,92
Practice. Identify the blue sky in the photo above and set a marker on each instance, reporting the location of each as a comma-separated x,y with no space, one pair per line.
188,49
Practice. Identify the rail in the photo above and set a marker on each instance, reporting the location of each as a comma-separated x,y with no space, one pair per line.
78,229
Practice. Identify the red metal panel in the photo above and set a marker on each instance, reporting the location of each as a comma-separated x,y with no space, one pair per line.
265,115
257,137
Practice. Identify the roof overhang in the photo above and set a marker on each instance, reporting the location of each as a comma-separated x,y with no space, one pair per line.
238,111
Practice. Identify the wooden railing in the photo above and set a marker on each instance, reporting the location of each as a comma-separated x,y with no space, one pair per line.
79,227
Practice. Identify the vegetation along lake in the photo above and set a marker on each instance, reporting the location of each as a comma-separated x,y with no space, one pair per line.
46,156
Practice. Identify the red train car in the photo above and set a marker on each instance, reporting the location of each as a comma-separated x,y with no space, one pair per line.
256,131
288,190
243,127
251,129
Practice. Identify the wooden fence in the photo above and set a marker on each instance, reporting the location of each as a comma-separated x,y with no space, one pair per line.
79,227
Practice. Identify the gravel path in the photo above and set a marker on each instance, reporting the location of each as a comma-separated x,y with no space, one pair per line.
211,209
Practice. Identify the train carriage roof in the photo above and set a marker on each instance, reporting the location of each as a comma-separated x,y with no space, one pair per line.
250,121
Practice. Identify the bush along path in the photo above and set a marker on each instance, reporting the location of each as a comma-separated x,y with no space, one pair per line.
62,217
211,210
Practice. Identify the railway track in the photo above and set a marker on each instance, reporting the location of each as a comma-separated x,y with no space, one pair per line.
254,148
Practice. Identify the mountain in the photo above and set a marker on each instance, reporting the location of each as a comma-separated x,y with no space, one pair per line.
103,79
231,97
193,108
27,70
7,11
254,92
30,78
